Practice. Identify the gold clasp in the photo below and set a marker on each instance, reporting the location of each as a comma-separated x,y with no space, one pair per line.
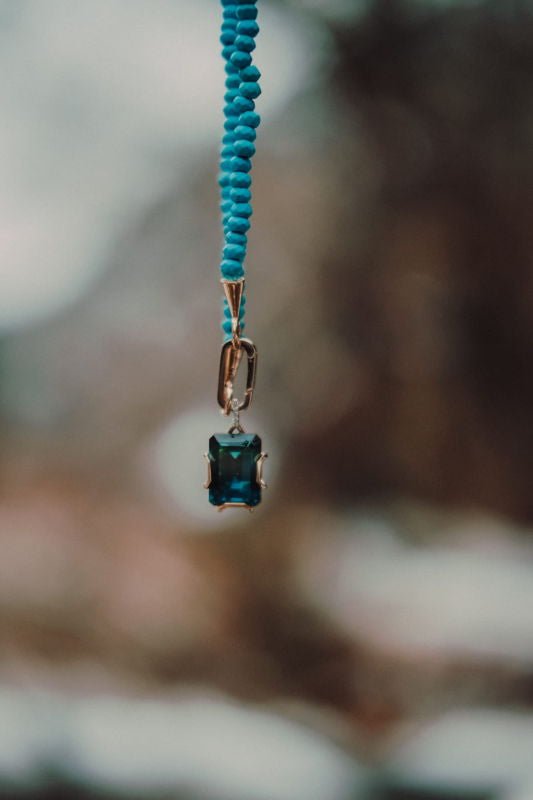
230,358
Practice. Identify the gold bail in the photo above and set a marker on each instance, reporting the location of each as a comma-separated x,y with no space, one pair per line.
234,291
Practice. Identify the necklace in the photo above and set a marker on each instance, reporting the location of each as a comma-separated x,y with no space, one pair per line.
235,459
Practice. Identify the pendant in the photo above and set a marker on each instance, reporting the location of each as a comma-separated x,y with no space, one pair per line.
235,470
235,459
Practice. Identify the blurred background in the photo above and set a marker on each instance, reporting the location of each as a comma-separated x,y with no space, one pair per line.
367,634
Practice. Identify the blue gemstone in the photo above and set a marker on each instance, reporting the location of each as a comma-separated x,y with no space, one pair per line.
233,458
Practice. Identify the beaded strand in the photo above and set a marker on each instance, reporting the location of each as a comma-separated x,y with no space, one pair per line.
239,29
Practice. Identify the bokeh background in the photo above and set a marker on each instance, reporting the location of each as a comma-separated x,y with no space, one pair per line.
367,634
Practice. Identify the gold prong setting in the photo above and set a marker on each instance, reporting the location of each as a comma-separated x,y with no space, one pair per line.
207,483
259,471
235,505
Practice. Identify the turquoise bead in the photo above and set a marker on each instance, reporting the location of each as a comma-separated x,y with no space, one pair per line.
244,148
240,195
232,269
236,238
231,110
244,132
250,73
240,180
247,12
227,37
241,210
245,44
250,89
250,119
247,27
236,252
238,31
243,104
238,224
240,164
240,59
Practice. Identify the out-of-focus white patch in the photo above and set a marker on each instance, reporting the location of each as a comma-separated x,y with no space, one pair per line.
104,104
473,752
521,793
430,601
205,746
179,469
214,748
22,737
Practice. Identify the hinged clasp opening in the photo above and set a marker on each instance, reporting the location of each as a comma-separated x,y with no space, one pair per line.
230,359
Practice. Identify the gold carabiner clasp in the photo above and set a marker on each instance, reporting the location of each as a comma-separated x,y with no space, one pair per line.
230,358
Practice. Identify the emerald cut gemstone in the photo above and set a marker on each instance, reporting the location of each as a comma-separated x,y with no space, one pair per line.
233,458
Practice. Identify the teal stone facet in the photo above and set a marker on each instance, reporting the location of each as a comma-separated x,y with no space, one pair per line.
233,458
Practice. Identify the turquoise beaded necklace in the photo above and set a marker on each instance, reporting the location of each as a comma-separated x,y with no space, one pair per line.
235,459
